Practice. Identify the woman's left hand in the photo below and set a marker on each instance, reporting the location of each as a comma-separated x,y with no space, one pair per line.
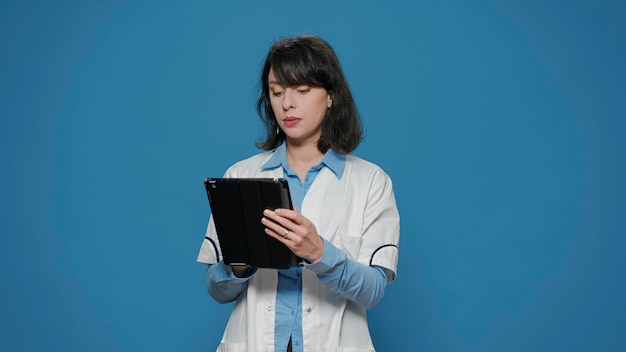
296,231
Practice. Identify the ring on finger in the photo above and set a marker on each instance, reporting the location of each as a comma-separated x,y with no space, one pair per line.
286,234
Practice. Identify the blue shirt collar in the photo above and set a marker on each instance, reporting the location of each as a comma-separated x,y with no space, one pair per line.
336,162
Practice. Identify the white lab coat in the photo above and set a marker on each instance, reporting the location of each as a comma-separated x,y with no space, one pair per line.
358,214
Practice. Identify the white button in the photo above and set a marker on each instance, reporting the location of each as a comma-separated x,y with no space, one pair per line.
269,308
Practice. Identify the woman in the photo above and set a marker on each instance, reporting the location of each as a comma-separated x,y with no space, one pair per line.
345,223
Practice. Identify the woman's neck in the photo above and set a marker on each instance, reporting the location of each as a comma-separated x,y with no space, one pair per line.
302,157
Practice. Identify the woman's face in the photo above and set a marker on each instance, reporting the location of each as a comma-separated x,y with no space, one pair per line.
299,110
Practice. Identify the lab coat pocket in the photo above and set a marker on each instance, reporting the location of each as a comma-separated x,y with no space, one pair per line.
350,244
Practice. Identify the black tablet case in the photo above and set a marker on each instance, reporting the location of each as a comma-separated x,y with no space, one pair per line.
237,206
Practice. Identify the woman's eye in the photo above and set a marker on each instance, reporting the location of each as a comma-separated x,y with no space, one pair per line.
277,94
304,90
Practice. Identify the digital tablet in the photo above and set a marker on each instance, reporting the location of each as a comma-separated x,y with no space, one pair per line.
237,206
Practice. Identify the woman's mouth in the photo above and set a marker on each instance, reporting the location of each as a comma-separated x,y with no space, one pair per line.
291,121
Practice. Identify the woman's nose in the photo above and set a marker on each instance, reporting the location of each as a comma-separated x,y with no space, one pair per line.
288,101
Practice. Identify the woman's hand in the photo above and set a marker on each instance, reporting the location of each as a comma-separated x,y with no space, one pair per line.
239,270
295,231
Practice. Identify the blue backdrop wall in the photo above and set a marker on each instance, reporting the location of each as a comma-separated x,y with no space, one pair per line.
500,122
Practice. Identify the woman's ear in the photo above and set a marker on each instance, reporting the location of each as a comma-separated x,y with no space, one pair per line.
330,100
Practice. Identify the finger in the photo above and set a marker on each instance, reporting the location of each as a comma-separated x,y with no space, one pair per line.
271,216
292,215
278,217
272,224
278,228
284,237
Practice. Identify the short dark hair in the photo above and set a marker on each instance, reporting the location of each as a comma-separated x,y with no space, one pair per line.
310,60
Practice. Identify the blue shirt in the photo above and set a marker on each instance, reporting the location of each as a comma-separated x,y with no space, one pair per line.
289,291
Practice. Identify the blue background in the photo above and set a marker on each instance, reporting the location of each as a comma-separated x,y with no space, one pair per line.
500,122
